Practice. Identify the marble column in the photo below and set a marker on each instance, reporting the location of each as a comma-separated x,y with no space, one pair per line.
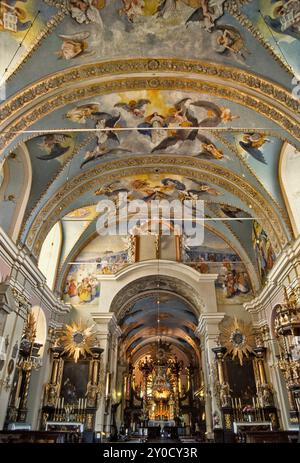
107,333
208,332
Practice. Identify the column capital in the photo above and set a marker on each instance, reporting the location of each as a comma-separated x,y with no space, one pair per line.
107,323
209,323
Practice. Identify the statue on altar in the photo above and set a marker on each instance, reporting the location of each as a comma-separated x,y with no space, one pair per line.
225,396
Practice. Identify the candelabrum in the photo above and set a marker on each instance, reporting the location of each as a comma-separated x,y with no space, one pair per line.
70,412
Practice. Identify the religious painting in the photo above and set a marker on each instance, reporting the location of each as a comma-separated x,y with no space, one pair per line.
265,255
52,146
241,380
21,23
165,122
214,255
158,186
104,255
50,150
154,25
74,381
74,45
279,23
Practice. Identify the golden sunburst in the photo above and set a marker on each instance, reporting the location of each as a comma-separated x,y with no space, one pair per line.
77,340
238,338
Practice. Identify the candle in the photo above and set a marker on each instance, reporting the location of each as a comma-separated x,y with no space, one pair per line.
232,403
58,405
85,403
240,403
253,401
62,402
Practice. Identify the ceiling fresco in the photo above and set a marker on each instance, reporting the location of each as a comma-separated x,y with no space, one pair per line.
158,122
278,21
22,23
128,129
206,29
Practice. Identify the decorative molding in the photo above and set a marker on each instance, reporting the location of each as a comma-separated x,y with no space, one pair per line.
207,320
65,165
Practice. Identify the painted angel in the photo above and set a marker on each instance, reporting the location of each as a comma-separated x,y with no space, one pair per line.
228,39
74,45
87,11
80,114
132,9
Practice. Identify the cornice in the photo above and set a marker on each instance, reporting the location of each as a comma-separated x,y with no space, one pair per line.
207,321
202,170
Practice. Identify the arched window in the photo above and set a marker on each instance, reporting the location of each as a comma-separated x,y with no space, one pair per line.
15,188
50,254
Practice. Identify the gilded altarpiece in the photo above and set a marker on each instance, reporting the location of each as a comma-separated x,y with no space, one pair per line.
72,393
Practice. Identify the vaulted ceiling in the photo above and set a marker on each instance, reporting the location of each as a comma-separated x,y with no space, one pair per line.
152,71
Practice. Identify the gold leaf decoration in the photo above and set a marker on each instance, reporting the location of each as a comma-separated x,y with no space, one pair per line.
238,338
77,340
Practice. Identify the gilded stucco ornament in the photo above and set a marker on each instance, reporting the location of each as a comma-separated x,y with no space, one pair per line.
77,339
238,338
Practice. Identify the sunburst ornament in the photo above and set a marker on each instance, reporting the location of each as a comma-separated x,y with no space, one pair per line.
238,338
77,340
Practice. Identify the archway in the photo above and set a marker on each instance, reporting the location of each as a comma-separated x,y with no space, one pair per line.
159,384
